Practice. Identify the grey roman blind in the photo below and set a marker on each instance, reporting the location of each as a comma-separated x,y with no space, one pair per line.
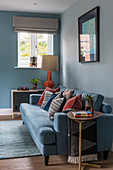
36,25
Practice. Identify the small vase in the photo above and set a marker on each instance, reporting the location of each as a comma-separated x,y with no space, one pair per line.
34,86
89,103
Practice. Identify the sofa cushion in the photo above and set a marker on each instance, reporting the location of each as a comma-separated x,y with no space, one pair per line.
98,99
49,101
48,89
39,120
68,94
46,97
74,103
46,135
56,105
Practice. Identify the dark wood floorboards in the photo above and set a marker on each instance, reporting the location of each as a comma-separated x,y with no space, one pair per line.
55,163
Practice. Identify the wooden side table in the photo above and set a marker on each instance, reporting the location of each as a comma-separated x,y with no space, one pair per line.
21,96
81,120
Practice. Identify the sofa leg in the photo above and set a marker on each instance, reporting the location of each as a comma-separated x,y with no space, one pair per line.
46,160
105,154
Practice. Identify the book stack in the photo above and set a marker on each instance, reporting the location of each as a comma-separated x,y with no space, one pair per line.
82,114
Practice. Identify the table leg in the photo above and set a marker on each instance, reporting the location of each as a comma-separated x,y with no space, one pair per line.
80,137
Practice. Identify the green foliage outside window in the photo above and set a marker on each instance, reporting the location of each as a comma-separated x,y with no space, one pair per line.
24,54
40,54
42,46
25,47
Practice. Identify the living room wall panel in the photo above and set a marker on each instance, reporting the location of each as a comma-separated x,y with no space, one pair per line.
97,76
11,78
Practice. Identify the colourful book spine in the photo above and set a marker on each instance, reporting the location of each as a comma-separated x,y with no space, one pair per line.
82,114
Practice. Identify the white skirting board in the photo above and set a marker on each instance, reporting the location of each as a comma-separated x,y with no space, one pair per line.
6,111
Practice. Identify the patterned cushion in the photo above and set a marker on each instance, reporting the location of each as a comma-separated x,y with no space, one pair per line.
49,101
65,91
55,105
74,103
46,97
68,94
48,89
59,95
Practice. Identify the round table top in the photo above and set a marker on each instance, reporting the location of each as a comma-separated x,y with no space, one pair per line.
96,115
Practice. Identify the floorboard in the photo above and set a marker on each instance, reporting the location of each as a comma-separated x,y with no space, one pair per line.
55,163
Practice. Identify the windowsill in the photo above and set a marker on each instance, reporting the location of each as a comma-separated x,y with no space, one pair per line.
27,67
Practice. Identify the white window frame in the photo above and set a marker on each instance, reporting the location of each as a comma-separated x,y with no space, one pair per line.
34,49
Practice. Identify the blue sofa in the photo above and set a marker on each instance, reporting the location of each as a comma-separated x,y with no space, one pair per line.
51,136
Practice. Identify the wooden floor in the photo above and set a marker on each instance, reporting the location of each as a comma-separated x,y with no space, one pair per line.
37,162
55,163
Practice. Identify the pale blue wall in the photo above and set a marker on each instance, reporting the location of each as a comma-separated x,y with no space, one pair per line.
10,77
96,77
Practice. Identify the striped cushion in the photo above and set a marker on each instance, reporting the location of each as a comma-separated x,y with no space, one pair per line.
46,97
49,101
55,106
47,89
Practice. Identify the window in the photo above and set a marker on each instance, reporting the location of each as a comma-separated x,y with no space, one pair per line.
31,44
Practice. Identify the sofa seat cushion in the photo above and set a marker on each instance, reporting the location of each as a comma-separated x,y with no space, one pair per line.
40,122
98,99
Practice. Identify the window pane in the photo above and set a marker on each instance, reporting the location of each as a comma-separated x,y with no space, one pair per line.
25,54
25,37
42,37
24,61
39,59
25,46
40,54
35,45
42,46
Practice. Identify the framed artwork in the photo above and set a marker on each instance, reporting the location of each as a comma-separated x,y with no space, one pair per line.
88,32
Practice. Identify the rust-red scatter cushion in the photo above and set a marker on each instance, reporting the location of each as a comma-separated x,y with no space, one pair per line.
48,89
74,103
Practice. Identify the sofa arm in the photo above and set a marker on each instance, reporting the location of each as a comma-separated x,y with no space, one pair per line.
105,132
61,129
34,98
106,108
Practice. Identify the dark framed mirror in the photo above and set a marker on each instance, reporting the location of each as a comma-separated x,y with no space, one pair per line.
88,33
